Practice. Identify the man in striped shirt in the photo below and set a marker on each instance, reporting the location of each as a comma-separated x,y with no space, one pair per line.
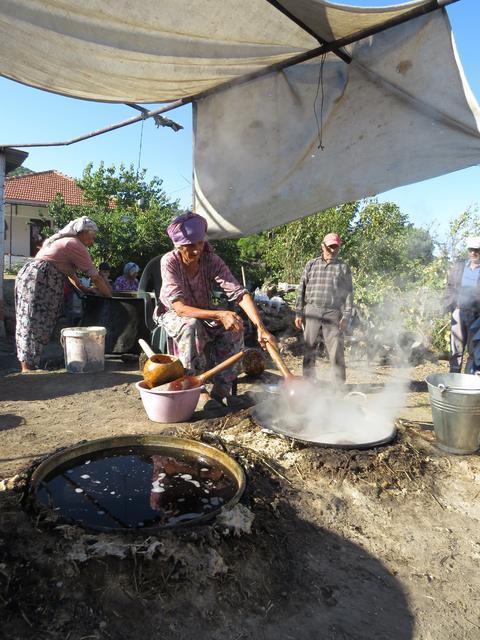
325,304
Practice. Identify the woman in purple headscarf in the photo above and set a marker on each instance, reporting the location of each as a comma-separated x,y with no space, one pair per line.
190,273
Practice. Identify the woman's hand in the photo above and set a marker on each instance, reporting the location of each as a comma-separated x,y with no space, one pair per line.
103,287
264,336
90,290
231,321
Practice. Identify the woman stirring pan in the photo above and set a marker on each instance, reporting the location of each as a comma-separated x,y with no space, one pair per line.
39,287
189,274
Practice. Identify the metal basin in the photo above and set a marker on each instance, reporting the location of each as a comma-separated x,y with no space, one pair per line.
124,318
137,483
455,402
357,428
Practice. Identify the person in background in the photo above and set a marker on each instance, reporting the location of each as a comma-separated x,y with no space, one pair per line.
325,304
39,286
104,270
189,274
74,289
128,281
462,300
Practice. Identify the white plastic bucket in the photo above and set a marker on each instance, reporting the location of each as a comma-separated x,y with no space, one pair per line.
84,348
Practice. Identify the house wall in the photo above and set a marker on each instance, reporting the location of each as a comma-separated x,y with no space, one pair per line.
17,236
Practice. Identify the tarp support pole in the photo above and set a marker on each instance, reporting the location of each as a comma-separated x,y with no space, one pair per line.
159,121
3,164
341,54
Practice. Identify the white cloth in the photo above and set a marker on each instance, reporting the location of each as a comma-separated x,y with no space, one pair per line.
159,50
72,229
400,113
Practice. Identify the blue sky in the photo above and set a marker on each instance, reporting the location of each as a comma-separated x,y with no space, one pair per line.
30,115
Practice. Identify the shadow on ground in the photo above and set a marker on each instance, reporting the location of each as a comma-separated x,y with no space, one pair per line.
10,421
418,386
45,385
288,579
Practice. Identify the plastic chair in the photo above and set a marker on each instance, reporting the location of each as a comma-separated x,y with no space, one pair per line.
149,290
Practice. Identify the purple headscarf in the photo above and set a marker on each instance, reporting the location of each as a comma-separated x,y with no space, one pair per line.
187,229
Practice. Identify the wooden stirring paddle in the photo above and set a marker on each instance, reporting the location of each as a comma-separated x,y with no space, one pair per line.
297,391
190,382
274,353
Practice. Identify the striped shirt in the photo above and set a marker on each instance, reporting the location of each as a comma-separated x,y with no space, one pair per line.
325,285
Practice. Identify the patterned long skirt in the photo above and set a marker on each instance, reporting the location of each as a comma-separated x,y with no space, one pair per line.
38,302
202,344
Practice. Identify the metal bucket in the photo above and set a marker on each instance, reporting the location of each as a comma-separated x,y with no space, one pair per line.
455,401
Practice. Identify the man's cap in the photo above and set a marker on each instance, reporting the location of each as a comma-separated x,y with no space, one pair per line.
332,239
473,242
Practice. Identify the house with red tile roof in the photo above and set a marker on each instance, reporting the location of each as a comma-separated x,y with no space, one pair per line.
27,198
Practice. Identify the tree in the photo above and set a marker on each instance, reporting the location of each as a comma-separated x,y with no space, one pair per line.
132,214
290,246
465,224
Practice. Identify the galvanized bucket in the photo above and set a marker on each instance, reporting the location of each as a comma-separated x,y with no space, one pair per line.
455,401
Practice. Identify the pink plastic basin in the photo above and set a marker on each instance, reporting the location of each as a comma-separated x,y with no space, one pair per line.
169,406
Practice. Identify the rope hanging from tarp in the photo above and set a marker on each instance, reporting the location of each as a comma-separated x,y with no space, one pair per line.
319,119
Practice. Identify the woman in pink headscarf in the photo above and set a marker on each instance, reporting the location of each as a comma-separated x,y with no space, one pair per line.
190,273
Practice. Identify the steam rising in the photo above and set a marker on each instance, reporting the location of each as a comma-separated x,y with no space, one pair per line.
328,414
317,413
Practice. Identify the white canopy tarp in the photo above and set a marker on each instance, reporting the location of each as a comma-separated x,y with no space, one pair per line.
160,50
399,113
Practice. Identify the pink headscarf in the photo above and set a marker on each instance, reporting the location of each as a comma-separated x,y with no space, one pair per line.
187,229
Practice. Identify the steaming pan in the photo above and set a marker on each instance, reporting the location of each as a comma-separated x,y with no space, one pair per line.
333,438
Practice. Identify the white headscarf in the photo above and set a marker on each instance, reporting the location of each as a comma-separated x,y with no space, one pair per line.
72,229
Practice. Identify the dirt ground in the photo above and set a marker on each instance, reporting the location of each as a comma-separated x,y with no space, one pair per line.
345,544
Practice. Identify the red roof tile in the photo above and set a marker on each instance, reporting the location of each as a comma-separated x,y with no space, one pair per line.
42,187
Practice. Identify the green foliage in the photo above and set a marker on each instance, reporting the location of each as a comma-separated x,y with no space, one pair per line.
13,270
229,252
19,171
464,225
440,336
290,246
252,256
385,251
132,214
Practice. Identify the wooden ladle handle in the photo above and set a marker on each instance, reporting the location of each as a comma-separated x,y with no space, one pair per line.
146,347
277,359
220,367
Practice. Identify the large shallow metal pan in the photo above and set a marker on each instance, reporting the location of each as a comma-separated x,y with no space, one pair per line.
338,437
164,443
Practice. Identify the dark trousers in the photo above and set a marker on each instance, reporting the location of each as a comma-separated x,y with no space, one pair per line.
327,322
461,337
